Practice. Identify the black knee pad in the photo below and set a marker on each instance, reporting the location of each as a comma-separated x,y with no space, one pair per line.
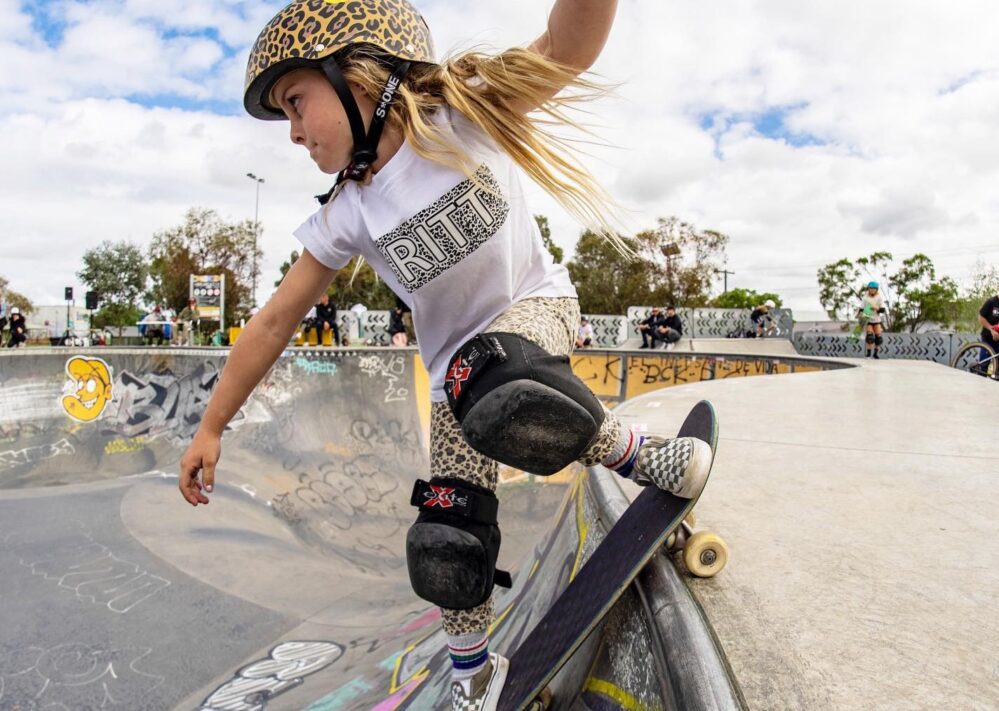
878,340
520,405
870,338
452,548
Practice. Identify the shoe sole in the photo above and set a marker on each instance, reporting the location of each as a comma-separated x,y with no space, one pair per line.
501,666
696,475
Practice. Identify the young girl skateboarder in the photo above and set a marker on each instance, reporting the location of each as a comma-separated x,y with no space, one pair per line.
872,310
428,191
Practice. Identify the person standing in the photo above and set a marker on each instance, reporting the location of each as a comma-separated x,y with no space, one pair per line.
872,310
187,322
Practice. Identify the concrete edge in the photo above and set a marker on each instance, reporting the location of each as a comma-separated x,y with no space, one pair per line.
698,673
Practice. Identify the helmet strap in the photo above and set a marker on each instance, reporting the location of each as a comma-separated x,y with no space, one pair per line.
365,144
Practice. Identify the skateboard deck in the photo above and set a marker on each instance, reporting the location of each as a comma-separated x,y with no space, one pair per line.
628,547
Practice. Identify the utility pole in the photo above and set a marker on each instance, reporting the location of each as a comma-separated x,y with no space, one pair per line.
256,233
725,273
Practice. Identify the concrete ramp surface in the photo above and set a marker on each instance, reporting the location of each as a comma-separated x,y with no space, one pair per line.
289,591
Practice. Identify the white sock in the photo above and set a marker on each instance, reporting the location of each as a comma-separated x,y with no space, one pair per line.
469,654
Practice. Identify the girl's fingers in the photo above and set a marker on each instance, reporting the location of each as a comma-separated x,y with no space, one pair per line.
208,476
190,487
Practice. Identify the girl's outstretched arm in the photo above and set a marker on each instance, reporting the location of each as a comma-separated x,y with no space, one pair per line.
260,344
576,34
577,31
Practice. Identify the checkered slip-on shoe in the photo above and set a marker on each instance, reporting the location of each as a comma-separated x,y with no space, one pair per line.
482,691
679,466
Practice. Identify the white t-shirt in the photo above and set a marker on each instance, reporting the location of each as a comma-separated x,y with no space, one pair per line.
875,303
458,254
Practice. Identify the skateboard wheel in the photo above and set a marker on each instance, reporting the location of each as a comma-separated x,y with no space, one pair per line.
671,541
705,554
691,519
542,702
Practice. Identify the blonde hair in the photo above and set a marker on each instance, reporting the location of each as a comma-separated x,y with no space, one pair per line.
491,91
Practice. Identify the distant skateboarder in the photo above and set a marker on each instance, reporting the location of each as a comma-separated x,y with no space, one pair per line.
763,322
430,197
871,311
988,316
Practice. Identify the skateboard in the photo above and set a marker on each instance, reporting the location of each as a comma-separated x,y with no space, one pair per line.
637,536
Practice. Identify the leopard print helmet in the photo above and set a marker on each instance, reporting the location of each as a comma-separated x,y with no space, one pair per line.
308,31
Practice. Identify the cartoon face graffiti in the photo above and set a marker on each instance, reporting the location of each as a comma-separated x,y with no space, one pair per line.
88,389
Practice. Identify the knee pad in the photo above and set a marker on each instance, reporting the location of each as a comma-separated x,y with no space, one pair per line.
878,340
870,338
520,405
452,548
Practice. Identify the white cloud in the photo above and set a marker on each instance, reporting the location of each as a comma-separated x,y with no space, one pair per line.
900,100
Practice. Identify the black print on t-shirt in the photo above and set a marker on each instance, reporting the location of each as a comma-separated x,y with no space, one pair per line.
438,237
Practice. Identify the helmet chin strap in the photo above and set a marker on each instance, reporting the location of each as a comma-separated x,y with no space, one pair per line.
365,143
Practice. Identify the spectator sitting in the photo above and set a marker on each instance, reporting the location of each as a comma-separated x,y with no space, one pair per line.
407,319
3,315
18,329
649,327
397,328
325,320
584,335
151,327
671,329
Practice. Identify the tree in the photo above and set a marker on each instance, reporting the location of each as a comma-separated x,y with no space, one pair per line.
839,285
607,282
364,287
13,298
683,260
286,266
205,244
984,285
920,297
744,299
546,236
117,272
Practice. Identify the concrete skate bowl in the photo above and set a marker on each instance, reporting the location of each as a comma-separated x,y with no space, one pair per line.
289,591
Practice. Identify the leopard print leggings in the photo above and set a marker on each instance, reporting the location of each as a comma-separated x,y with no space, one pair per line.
552,324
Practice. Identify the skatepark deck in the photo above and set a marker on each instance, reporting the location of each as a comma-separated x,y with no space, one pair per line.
860,505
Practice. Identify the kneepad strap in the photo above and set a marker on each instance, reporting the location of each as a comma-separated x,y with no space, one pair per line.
452,548
520,405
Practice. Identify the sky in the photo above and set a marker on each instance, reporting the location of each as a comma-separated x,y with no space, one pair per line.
805,131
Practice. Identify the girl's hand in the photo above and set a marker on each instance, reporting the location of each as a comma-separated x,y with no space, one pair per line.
201,456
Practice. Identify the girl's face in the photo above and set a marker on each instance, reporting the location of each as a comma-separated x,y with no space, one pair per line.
872,291
318,121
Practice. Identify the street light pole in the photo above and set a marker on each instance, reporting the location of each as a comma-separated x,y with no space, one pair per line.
725,272
256,233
